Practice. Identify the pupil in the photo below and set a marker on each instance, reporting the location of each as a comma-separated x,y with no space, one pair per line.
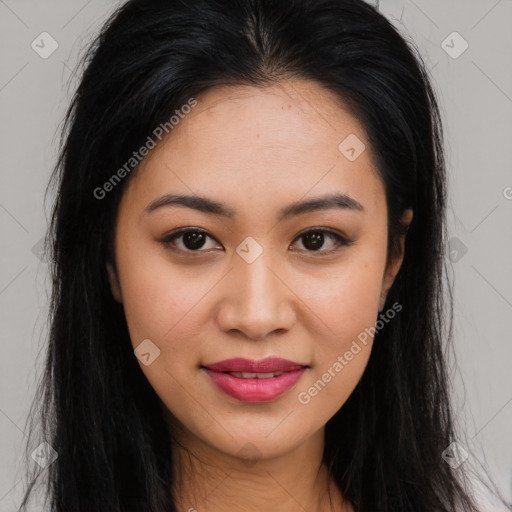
193,240
314,240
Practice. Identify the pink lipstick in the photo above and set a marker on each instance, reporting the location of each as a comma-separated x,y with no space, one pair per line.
255,381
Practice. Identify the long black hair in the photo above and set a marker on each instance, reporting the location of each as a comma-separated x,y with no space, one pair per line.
95,407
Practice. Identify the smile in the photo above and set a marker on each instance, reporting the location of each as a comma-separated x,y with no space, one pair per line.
255,381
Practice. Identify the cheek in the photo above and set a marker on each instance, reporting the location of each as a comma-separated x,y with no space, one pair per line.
158,299
350,298
161,305
345,300
347,307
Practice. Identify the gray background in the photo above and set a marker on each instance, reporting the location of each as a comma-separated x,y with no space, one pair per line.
475,91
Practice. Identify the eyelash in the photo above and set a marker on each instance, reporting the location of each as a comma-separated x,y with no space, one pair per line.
339,240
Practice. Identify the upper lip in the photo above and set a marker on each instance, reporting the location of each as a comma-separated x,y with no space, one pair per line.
269,364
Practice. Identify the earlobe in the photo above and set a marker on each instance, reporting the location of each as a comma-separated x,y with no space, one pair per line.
114,283
389,277
394,267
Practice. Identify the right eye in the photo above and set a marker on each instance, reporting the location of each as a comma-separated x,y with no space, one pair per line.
192,240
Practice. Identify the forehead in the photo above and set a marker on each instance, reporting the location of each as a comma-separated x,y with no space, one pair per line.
298,116
276,141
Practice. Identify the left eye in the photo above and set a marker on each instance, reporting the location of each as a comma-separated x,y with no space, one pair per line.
314,239
193,240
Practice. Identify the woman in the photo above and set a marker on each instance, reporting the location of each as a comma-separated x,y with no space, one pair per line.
248,245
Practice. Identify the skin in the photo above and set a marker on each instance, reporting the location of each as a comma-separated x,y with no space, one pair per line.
257,150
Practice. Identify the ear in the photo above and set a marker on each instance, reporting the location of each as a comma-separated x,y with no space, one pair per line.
394,266
115,287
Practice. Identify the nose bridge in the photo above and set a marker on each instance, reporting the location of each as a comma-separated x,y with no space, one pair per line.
257,282
259,302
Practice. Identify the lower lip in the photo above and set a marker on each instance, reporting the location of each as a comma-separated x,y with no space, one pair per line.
255,390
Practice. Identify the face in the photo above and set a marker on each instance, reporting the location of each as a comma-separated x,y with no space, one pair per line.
279,252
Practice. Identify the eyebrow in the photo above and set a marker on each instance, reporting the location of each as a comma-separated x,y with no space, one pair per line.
206,205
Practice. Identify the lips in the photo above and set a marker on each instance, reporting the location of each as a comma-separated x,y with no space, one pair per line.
267,365
255,381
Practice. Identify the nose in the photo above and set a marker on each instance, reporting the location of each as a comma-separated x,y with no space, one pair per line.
256,301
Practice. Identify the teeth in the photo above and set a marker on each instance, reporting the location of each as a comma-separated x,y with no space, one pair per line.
254,375
247,375
266,375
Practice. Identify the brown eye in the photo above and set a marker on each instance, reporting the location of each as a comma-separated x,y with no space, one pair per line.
314,239
192,240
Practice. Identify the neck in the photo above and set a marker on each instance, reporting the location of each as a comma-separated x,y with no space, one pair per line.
208,480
